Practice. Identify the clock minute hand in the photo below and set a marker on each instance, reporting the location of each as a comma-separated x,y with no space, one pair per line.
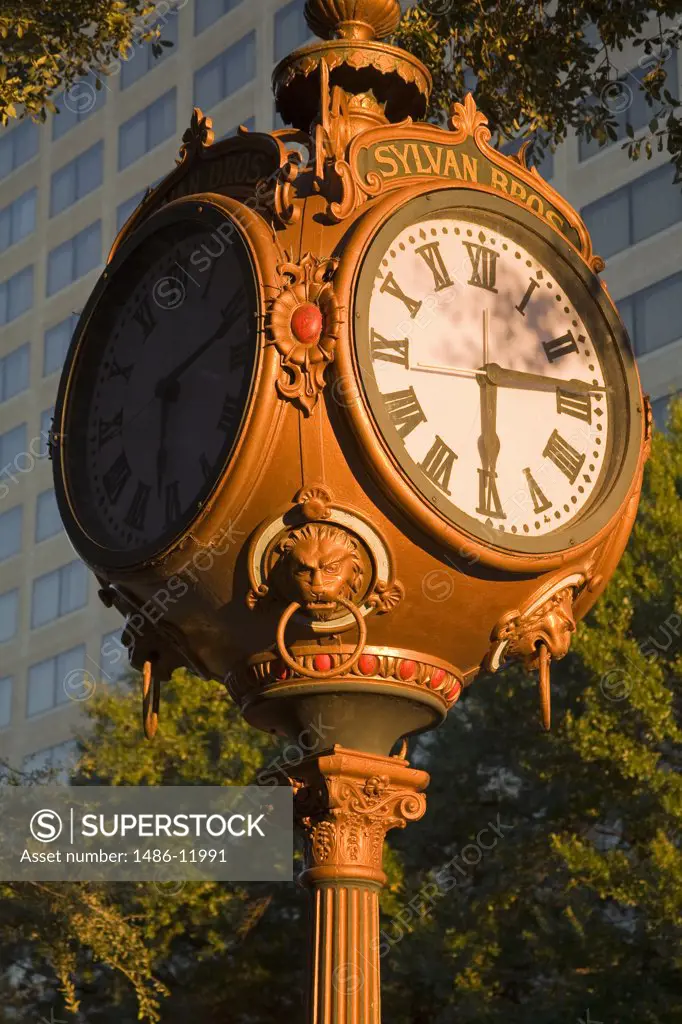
225,326
535,381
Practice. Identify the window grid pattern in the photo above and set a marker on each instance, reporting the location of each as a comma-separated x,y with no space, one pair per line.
16,295
147,129
14,372
60,759
76,179
226,73
78,102
637,211
56,343
74,258
12,445
291,29
652,314
207,12
58,593
9,614
52,681
11,524
48,520
18,219
114,664
18,146
142,59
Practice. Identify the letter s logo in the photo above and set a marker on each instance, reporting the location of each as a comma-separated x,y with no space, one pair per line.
46,826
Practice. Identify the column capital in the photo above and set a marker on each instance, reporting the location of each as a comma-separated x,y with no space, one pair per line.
345,802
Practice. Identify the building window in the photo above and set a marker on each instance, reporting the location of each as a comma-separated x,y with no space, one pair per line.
16,295
77,103
5,701
60,761
10,533
226,73
291,29
9,615
141,59
146,130
14,372
48,519
76,179
635,212
636,111
18,220
51,682
58,593
114,663
56,343
12,445
74,258
18,146
124,210
206,12
651,316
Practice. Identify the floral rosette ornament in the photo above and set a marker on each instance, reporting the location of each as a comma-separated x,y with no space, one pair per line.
303,323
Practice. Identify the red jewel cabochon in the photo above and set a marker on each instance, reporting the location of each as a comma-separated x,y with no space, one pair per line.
307,323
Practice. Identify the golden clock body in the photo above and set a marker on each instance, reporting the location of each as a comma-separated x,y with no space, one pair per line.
414,604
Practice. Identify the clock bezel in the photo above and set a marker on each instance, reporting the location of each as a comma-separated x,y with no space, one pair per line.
379,227
214,211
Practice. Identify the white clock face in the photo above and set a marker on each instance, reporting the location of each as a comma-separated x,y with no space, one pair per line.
485,380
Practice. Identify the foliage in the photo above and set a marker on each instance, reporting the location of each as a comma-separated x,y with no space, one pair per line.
47,45
544,69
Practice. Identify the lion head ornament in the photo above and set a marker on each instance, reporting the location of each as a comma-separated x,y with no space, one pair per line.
318,564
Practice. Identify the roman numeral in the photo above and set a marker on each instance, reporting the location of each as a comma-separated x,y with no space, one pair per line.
119,371
137,513
483,266
389,351
438,464
527,297
540,502
144,315
173,505
229,417
489,503
433,258
239,355
116,477
564,457
560,347
109,429
405,411
391,287
579,406
206,467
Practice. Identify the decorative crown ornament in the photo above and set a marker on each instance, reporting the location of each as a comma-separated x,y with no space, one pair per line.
352,19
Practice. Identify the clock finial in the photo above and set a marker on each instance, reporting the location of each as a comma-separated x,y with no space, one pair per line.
353,19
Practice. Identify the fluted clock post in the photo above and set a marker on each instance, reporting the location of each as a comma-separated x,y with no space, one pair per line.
345,803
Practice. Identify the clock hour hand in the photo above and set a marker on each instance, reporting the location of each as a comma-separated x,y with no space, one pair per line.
535,381
230,314
489,448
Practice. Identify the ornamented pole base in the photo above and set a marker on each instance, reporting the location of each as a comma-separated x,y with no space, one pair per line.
345,803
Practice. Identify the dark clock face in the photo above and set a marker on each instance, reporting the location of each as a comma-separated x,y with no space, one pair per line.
492,373
160,385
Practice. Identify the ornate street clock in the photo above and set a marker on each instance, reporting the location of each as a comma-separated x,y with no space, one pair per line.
348,418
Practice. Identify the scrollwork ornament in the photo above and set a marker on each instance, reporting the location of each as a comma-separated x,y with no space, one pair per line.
197,137
303,323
